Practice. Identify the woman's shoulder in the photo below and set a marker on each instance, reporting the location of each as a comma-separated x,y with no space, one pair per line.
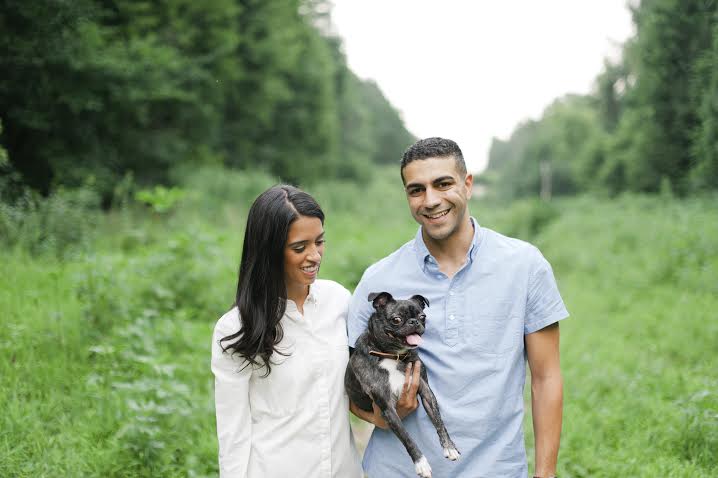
228,324
330,289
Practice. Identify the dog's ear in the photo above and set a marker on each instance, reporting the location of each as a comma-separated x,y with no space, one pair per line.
420,300
380,299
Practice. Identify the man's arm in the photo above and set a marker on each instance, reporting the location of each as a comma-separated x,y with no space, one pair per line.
406,404
542,348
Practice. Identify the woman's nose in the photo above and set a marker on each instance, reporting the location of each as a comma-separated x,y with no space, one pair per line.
314,255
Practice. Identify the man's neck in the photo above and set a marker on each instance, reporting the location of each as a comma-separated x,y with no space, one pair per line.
450,253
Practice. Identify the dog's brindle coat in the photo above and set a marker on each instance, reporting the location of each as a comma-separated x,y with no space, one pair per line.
373,376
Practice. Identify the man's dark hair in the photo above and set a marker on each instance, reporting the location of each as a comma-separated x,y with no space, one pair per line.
434,148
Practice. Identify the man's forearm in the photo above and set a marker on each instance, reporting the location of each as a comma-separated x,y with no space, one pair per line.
547,412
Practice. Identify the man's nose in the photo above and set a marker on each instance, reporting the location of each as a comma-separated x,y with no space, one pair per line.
431,198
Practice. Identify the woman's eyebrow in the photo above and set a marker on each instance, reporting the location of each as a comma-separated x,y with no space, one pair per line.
299,243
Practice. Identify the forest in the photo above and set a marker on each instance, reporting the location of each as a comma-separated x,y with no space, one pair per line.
100,93
650,124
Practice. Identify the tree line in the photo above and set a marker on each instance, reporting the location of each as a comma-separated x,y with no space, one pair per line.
92,91
650,124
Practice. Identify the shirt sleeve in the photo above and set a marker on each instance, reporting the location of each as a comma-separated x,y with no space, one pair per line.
544,305
359,311
231,397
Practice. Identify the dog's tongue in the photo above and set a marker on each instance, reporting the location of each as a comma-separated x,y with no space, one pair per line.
413,339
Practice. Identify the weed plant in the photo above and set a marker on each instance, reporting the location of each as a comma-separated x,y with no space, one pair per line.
104,349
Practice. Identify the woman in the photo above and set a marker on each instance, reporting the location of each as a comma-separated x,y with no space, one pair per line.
279,355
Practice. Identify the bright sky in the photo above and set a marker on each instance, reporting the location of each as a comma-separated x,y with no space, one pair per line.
472,70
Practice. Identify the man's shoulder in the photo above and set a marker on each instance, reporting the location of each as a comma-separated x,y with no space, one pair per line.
508,247
392,261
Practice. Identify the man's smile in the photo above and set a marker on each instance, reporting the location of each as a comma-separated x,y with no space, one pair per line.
437,215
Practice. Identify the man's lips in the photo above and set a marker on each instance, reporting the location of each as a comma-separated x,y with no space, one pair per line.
437,215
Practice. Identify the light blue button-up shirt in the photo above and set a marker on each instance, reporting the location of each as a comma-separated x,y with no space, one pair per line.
473,351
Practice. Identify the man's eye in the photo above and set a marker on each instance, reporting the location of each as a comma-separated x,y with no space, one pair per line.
396,320
444,185
414,192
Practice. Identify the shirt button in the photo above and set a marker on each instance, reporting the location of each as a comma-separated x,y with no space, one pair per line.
451,317
451,292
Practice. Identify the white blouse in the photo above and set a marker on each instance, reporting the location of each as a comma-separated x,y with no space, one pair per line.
295,422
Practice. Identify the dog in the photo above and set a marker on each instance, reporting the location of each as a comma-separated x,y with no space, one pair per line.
375,372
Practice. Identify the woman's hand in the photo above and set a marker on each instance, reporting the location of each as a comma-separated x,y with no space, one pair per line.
407,403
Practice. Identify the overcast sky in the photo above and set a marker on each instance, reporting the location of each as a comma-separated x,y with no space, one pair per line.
472,70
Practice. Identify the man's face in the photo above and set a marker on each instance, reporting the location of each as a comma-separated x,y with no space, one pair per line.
438,195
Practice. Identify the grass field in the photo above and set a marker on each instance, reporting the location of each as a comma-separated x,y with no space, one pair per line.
104,348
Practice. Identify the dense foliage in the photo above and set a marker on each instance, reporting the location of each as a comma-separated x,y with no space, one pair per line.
105,348
651,123
93,91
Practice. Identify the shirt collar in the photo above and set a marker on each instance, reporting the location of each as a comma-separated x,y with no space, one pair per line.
312,297
423,256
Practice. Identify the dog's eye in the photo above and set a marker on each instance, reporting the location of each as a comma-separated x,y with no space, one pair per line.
396,320
422,317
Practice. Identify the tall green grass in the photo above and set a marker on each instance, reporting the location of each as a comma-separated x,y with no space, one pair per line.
104,348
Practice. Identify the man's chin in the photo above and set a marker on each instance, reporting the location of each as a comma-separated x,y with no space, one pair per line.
438,233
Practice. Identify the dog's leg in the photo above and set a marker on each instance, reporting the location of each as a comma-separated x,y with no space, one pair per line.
432,410
421,466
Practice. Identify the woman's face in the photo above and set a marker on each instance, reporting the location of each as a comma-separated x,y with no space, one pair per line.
303,254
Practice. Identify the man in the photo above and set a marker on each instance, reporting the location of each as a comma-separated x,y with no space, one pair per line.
494,304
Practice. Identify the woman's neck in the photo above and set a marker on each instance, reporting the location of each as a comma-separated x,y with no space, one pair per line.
298,296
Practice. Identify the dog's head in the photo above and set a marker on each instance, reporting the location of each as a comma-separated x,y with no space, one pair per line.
397,325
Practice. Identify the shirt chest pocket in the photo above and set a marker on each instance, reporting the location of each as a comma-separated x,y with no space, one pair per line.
495,329
280,393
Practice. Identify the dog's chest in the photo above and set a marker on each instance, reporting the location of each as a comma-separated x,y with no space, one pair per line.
396,378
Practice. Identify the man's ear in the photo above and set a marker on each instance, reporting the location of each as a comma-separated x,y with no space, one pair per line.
380,299
420,300
469,184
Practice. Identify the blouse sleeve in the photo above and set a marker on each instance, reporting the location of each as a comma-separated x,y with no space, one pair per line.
231,397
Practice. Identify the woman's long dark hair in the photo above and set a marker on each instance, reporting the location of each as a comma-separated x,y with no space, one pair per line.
261,291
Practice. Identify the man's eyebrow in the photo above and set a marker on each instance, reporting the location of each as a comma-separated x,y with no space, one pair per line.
442,179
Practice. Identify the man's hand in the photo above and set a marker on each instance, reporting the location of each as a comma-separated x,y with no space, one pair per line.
406,404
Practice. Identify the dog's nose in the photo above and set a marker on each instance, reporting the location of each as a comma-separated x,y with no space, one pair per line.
413,322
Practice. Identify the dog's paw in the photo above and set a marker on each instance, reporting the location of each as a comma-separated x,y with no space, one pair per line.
451,453
422,467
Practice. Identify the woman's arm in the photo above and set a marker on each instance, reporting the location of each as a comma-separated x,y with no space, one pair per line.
231,398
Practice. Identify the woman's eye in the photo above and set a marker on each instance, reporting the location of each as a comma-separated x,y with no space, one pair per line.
298,249
396,320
